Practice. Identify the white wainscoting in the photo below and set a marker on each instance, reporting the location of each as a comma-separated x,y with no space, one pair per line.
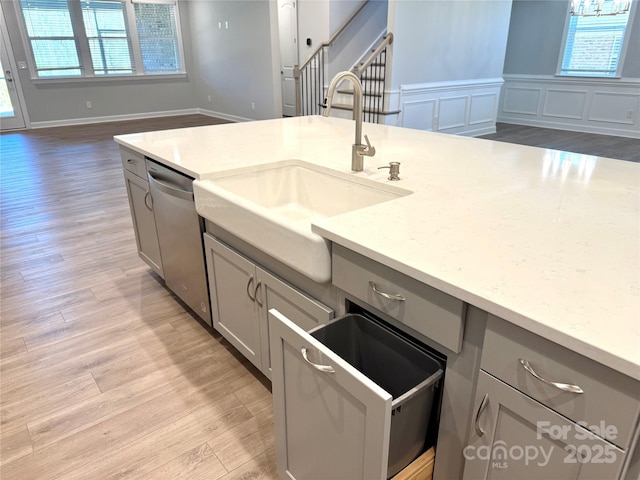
466,107
607,106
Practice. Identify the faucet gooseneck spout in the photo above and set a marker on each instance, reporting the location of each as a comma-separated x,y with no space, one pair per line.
358,150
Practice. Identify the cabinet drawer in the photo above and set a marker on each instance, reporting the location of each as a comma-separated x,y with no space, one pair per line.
609,400
134,162
428,311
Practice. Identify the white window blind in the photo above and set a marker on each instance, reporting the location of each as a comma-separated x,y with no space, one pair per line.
105,27
97,38
51,37
158,37
594,43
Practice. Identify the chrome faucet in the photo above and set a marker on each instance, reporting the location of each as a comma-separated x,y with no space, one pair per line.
358,150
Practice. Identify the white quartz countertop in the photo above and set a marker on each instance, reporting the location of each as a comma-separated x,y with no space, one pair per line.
547,240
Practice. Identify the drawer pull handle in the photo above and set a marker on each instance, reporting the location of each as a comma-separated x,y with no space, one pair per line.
255,293
481,408
322,368
147,195
253,299
565,387
390,296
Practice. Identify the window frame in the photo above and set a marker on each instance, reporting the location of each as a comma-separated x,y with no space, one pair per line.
84,53
623,50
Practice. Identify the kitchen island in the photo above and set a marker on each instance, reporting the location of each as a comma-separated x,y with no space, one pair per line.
548,241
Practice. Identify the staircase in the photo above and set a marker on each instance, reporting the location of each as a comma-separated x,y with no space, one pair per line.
313,77
371,70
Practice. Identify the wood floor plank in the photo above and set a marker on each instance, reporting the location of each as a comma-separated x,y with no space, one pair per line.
17,411
12,346
116,431
199,463
25,322
88,413
14,443
13,306
9,278
46,373
240,444
92,350
166,443
256,397
260,467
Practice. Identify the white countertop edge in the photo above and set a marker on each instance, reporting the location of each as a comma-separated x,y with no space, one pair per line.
131,146
620,364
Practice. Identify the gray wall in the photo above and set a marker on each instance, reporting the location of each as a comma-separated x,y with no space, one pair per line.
320,19
359,36
313,24
631,68
65,101
535,39
236,66
435,41
438,41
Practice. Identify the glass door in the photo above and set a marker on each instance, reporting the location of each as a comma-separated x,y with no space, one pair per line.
11,117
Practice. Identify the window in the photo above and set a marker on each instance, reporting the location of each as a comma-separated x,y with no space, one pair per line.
98,38
595,35
105,27
51,38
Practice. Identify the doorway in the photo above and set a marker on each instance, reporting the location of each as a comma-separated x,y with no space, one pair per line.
288,31
11,115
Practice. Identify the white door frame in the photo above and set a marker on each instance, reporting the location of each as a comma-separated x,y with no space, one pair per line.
288,35
20,119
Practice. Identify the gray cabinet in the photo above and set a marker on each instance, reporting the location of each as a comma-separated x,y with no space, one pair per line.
327,425
141,206
233,288
424,309
516,437
543,411
241,295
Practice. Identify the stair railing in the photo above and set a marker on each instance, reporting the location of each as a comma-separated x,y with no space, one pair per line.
310,77
372,73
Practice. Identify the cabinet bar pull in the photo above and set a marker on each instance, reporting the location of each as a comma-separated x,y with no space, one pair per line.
255,293
253,299
481,408
146,204
390,296
565,387
322,368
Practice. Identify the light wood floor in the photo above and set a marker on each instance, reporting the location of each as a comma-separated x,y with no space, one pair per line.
103,373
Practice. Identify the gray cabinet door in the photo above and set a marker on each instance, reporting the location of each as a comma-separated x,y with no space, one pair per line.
327,425
232,285
515,437
144,224
293,304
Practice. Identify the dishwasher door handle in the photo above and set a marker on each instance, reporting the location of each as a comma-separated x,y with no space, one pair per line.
170,189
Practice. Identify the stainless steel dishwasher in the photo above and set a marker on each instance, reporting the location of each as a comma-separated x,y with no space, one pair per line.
180,237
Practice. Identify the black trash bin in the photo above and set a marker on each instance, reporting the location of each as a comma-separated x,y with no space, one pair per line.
404,370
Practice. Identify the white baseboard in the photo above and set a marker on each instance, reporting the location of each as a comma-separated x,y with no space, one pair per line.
532,122
112,118
137,116
603,106
223,116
